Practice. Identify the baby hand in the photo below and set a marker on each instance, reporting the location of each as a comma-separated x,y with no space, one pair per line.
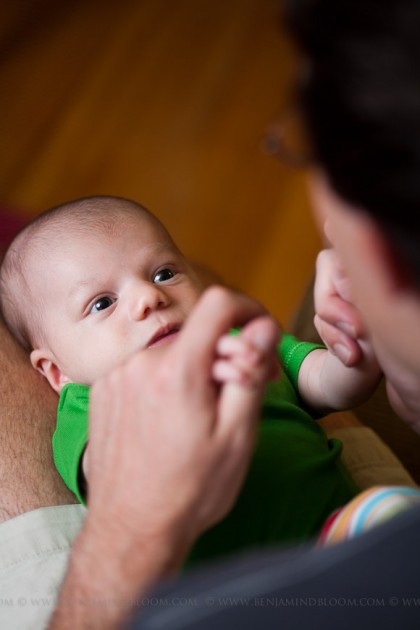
246,359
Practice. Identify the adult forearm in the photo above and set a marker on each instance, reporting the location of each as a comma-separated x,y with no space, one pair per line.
168,452
108,577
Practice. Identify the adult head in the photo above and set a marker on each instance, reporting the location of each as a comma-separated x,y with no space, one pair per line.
360,99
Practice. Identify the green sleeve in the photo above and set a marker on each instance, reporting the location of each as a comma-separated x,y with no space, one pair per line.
292,353
71,434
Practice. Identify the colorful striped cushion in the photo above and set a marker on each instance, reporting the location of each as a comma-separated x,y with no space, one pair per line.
369,509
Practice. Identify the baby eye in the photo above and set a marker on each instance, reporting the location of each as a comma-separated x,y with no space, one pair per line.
163,275
102,304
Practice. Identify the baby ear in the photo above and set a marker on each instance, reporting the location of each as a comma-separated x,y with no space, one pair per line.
50,370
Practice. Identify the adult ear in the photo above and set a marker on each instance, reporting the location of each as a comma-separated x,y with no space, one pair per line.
42,362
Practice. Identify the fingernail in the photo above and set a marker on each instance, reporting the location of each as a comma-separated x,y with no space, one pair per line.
347,328
263,340
342,352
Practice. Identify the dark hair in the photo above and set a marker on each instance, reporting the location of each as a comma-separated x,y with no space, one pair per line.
361,103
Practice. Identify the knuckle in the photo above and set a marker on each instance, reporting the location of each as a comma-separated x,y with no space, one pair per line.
322,258
321,307
318,324
218,295
322,328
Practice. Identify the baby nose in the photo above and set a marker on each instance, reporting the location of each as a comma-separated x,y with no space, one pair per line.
149,298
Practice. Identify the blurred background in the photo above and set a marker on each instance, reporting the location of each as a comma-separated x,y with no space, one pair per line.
165,102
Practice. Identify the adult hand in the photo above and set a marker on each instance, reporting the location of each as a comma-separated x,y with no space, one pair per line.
180,444
168,451
337,319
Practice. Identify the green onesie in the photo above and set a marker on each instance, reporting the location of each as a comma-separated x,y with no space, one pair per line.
295,480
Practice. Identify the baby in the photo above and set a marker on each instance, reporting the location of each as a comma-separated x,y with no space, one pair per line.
103,279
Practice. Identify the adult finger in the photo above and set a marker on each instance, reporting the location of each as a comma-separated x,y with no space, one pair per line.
218,310
331,295
345,347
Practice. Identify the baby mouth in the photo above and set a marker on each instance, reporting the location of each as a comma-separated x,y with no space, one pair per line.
164,335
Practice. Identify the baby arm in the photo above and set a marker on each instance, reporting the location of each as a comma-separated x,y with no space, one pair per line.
347,373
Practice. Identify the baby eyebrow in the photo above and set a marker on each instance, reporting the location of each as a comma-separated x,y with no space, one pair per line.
82,286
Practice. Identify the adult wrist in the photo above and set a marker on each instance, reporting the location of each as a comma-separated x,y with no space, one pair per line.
110,570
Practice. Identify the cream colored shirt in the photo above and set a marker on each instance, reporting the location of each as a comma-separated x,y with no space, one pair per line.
34,552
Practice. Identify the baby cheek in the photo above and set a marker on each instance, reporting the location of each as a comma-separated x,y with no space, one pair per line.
95,363
194,295
188,305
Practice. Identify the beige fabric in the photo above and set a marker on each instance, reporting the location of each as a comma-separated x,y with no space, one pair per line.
369,460
34,551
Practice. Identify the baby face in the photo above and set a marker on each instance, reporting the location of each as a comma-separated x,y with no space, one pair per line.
106,294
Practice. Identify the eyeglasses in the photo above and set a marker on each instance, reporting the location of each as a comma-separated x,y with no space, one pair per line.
286,140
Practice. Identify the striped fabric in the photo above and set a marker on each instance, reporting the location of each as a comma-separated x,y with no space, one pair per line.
369,509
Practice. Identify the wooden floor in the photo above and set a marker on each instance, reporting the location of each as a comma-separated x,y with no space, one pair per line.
164,102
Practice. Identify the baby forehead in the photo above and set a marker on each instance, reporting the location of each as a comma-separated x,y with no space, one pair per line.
111,223
131,233
61,235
